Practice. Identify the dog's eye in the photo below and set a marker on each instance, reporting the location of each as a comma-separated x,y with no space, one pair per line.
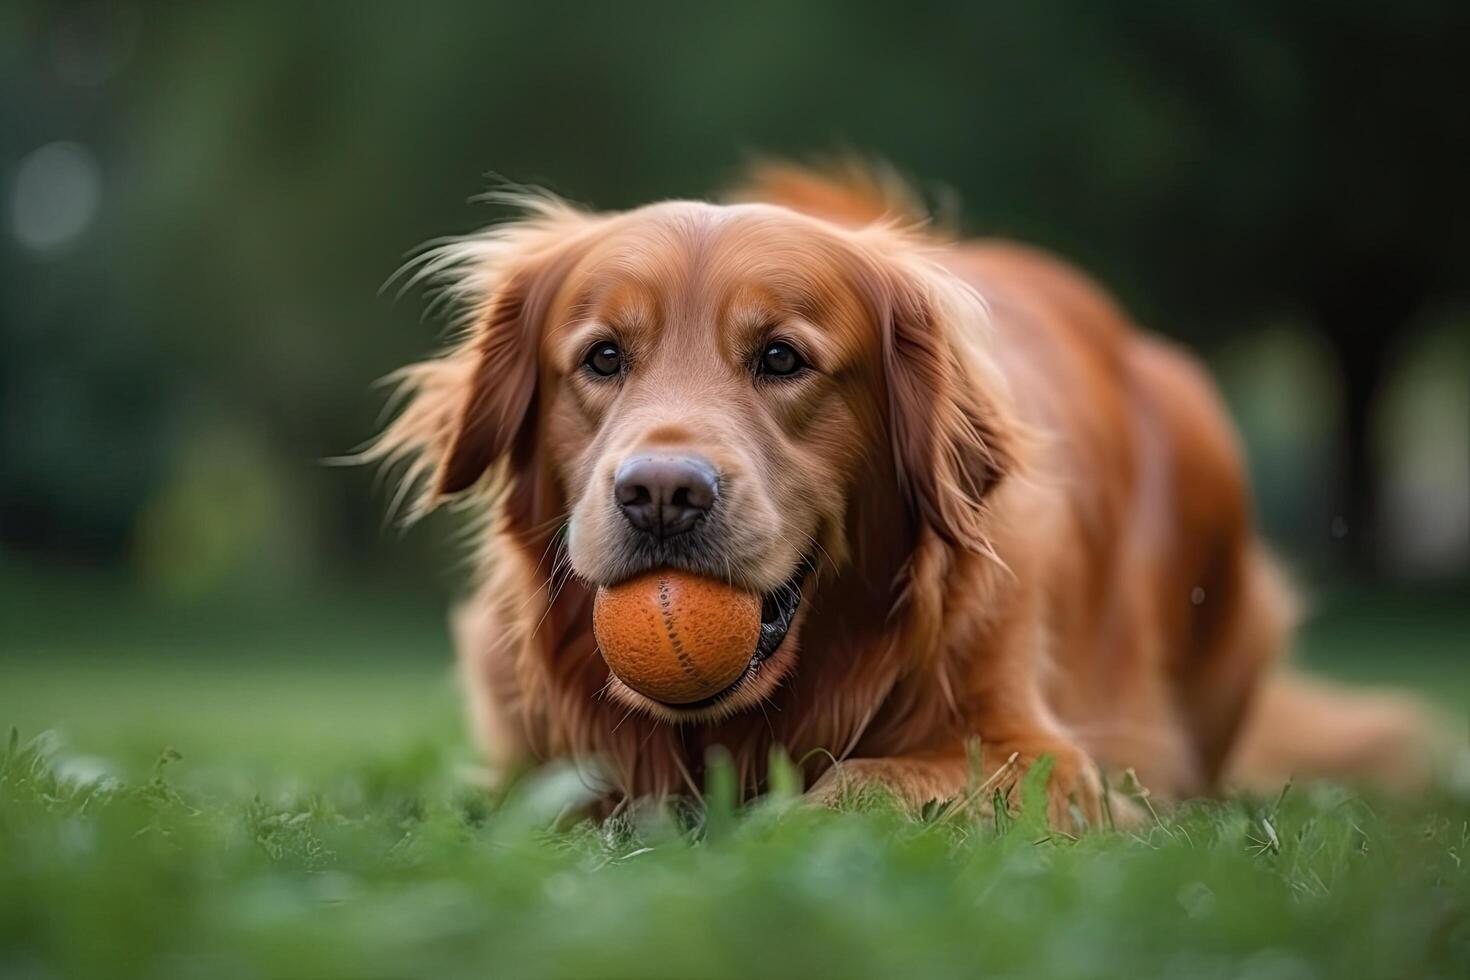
604,359
780,360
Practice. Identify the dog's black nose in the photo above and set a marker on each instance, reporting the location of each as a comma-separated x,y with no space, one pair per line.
665,495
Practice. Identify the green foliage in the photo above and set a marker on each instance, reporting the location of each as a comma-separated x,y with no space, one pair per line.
320,819
416,878
215,329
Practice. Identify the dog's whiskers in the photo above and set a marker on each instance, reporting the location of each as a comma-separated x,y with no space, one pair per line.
557,542
628,714
563,562
807,559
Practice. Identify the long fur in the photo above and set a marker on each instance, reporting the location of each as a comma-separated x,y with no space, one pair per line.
1029,522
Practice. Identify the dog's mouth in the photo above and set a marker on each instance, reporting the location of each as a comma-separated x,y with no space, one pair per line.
778,611
780,608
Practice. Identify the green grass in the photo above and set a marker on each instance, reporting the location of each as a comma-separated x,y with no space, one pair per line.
313,823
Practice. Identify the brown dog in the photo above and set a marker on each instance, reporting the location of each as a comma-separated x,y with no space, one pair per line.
982,507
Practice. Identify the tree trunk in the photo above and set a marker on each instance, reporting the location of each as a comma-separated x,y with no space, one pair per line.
1354,522
1363,325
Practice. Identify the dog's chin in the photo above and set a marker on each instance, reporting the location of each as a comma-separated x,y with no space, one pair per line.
774,656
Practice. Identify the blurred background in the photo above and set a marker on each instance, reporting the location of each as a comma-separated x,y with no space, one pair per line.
199,205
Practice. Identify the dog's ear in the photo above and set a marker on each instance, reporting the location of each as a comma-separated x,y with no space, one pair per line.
500,390
476,404
950,438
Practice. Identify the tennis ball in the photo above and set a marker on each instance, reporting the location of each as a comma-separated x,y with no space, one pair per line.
676,637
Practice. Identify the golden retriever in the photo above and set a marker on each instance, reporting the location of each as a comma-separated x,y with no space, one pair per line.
990,519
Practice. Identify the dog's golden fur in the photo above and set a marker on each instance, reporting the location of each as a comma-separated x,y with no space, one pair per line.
1028,521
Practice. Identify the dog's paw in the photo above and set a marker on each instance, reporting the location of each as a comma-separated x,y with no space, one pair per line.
1076,798
912,782
1074,792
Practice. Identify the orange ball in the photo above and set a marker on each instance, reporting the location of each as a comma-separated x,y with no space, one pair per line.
676,637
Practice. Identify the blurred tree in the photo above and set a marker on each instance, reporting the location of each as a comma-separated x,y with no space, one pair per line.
264,166
1329,183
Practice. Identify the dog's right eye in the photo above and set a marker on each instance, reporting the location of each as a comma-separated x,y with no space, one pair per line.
604,359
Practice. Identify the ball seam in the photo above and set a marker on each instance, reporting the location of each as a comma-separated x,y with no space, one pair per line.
666,608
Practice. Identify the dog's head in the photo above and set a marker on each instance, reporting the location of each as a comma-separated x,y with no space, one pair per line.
740,391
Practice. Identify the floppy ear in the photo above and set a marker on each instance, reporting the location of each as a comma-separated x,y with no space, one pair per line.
950,440
498,410
476,403
499,393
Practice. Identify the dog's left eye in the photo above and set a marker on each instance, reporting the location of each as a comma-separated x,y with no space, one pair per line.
780,360
604,359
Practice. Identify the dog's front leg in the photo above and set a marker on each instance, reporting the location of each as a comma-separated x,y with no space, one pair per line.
1002,711
913,780
1074,789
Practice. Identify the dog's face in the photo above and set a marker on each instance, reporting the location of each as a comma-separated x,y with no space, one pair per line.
704,387
705,401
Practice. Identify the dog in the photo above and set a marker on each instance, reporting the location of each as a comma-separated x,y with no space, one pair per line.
991,520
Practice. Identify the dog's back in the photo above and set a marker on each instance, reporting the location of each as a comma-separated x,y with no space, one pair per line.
1169,619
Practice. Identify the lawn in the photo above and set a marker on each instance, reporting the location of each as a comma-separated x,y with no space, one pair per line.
243,789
